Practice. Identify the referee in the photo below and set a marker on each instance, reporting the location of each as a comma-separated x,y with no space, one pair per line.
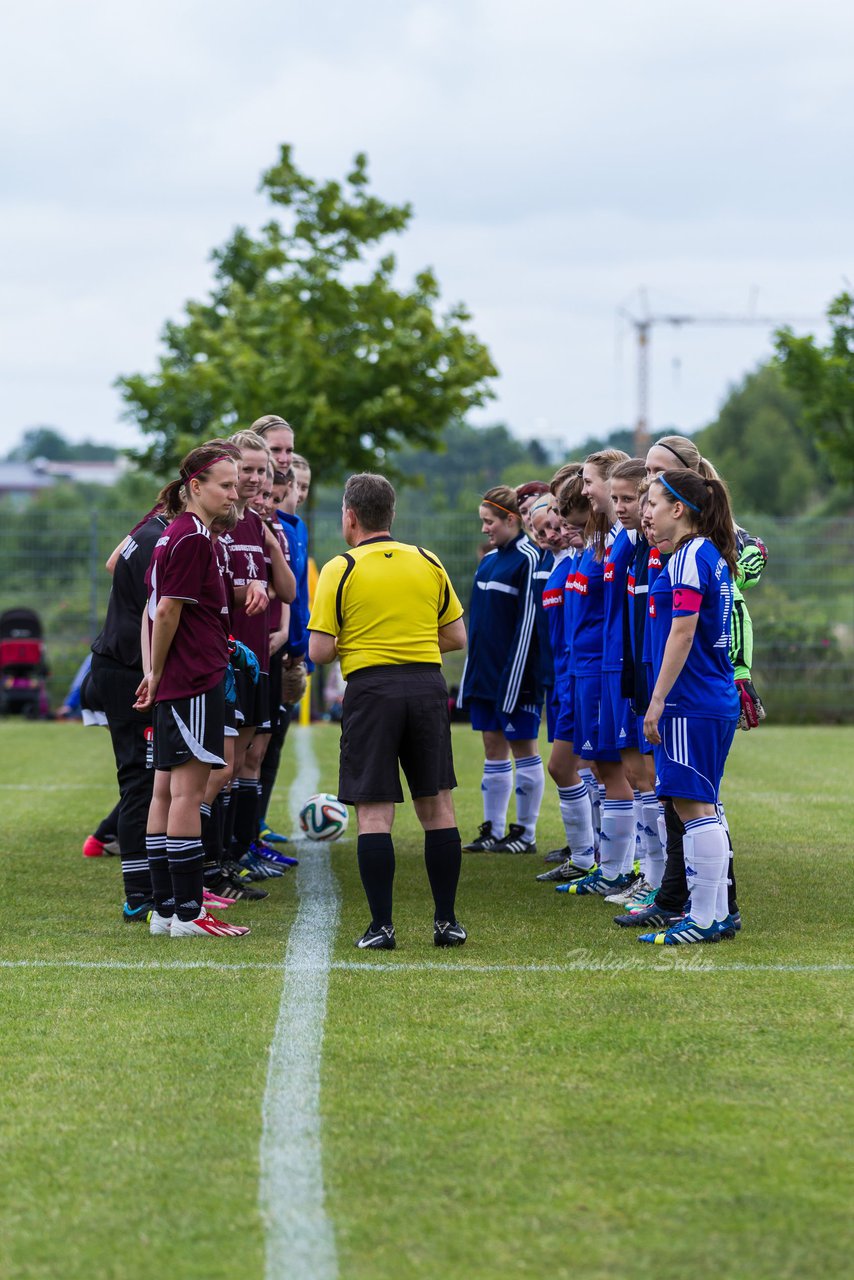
388,612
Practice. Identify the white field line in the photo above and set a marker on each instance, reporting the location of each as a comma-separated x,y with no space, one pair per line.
300,1243
613,964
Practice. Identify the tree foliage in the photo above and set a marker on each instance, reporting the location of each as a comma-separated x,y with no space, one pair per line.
47,442
759,445
824,377
306,320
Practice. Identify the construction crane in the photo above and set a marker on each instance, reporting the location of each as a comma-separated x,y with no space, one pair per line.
643,326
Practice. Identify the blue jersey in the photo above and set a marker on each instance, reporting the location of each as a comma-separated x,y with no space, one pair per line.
587,614
297,535
502,666
696,581
544,645
617,561
554,607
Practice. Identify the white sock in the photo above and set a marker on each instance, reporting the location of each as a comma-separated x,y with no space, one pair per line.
653,851
706,861
496,785
530,784
617,841
577,823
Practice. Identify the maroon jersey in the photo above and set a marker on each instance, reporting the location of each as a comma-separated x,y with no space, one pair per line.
275,610
245,546
184,566
226,575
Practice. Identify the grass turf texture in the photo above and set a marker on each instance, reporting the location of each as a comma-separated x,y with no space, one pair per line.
643,1115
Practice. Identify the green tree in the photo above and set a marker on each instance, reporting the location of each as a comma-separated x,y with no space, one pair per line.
758,444
41,442
306,320
824,377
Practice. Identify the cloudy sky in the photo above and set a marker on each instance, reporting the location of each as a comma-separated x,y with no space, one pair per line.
559,157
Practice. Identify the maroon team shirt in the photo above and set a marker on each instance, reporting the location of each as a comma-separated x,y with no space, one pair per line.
275,609
185,567
245,545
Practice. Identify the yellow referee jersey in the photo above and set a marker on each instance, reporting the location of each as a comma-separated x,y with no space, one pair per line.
384,600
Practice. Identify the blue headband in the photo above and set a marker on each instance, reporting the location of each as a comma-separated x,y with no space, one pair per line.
684,501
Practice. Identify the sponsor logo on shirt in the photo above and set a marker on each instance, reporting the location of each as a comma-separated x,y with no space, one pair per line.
655,558
630,584
609,571
553,598
580,583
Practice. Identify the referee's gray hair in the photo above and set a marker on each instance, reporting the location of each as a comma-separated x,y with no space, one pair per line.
371,499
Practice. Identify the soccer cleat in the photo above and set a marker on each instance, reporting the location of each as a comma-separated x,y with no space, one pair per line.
594,883
623,897
685,933
258,867
207,926
638,901
558,855
237,890
514,841
159,925
111,848
93,847
274,837
566,872
141,914
381,939
270,854
645,917
217,901
446,934
485,841
733,921
236,872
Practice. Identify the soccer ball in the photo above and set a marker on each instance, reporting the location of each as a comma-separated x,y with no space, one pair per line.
323,817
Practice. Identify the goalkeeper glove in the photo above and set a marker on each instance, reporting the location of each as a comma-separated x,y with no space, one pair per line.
752,711
243,659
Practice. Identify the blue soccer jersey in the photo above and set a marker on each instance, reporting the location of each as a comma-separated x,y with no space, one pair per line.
696,581
502,666
542,573
586,614
617,561
554,606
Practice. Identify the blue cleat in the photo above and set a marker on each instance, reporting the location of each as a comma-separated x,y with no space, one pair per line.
258,868
595,883
649,916
141,914
269,854
688,932
274,837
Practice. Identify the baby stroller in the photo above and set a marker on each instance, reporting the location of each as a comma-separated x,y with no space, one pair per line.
22,665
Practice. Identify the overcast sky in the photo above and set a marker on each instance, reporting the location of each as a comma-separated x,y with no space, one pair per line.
558,155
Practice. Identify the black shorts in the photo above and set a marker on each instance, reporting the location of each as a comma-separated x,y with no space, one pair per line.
189,728
396,715
253,701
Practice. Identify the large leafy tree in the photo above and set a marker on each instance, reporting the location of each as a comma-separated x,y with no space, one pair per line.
758,443
824,377
306,320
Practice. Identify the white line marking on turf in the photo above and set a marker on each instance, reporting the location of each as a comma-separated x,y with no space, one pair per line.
613,964
300,1241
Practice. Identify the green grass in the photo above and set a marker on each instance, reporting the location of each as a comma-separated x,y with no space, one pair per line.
646,1115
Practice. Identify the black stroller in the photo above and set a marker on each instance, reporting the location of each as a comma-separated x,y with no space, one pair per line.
23,670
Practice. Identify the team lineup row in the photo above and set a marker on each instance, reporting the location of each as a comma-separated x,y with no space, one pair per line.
625,627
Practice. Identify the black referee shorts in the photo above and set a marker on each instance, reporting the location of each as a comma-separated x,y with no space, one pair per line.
395,716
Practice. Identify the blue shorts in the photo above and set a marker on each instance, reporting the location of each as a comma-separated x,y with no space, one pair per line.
689,763
644,745
566,718
587,703
552,713
522,725
617,728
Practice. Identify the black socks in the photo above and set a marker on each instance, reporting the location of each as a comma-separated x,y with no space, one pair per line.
376,867
443,859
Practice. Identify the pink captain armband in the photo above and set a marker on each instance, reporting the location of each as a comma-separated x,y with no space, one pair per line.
685,600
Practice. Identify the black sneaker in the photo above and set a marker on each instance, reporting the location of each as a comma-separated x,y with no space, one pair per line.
558,855
566,872
515,842
446,934
237,889
142,914
651,915
381,939
485,841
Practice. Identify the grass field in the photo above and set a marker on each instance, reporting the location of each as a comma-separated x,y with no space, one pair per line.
553,1100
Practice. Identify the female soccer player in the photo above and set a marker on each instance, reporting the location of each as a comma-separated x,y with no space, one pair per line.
185,654
566,541
694,706
501,679
617,839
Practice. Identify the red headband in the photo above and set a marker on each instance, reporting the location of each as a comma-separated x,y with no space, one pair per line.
224,457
